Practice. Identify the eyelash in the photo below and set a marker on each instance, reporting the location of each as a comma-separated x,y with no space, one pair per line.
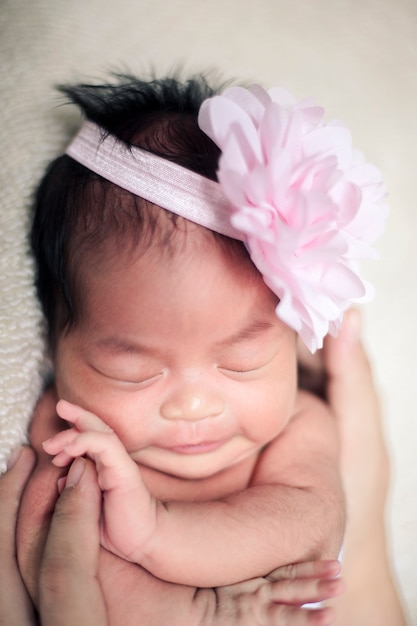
143,381
240,371
250,369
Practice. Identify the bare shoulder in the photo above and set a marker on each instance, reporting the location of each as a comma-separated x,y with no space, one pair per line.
310,406
311,421
304,460
307,447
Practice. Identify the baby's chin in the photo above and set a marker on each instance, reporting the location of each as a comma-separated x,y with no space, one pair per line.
197,477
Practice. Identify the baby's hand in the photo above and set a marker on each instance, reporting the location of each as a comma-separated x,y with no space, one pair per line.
279,599
128,508
92,437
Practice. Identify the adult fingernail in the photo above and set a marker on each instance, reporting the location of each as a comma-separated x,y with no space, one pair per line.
61,484
75,472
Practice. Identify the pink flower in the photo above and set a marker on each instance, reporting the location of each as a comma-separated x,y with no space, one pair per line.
307,204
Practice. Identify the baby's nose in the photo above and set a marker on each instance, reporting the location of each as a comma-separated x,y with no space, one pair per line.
191,403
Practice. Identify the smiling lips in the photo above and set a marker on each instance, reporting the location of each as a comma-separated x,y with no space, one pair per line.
198,448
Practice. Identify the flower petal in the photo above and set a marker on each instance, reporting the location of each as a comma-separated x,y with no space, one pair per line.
307,203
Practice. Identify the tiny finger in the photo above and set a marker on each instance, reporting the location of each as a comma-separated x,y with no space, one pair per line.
62,459
113,462
82,419
58,442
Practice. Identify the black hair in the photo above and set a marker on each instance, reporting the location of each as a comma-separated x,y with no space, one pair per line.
75,210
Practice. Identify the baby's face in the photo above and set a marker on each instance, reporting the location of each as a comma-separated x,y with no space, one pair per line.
183,356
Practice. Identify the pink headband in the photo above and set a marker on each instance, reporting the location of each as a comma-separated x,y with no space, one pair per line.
305,203
157,180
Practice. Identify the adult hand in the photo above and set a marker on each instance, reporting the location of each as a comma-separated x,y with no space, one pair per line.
69,590
342,374
15,606
370,598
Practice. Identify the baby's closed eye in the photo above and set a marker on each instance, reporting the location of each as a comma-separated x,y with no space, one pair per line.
241,359
130,370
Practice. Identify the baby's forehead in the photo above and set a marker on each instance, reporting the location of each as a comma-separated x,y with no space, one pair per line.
113,222
199,285
173,244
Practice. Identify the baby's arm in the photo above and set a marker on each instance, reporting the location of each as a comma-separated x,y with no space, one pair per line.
54,572
129,511
292,512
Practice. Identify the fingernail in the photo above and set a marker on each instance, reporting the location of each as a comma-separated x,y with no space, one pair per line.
75,472
353,325
61,484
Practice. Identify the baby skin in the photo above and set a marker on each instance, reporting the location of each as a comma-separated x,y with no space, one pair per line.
132,594
189,543
214,467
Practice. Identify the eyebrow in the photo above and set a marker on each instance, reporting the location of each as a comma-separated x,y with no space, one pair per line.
252,331
119,345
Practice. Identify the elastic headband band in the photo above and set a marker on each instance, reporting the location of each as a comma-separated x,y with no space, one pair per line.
157,180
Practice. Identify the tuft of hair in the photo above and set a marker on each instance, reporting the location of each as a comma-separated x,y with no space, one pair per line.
159,115
76,211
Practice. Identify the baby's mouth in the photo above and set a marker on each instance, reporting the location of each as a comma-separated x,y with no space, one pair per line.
197,448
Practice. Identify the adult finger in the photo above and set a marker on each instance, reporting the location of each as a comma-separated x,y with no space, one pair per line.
308,569
353,399
15,606
345,350
69,589
305,591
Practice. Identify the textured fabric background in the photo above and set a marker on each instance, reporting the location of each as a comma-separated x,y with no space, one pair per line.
356,57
